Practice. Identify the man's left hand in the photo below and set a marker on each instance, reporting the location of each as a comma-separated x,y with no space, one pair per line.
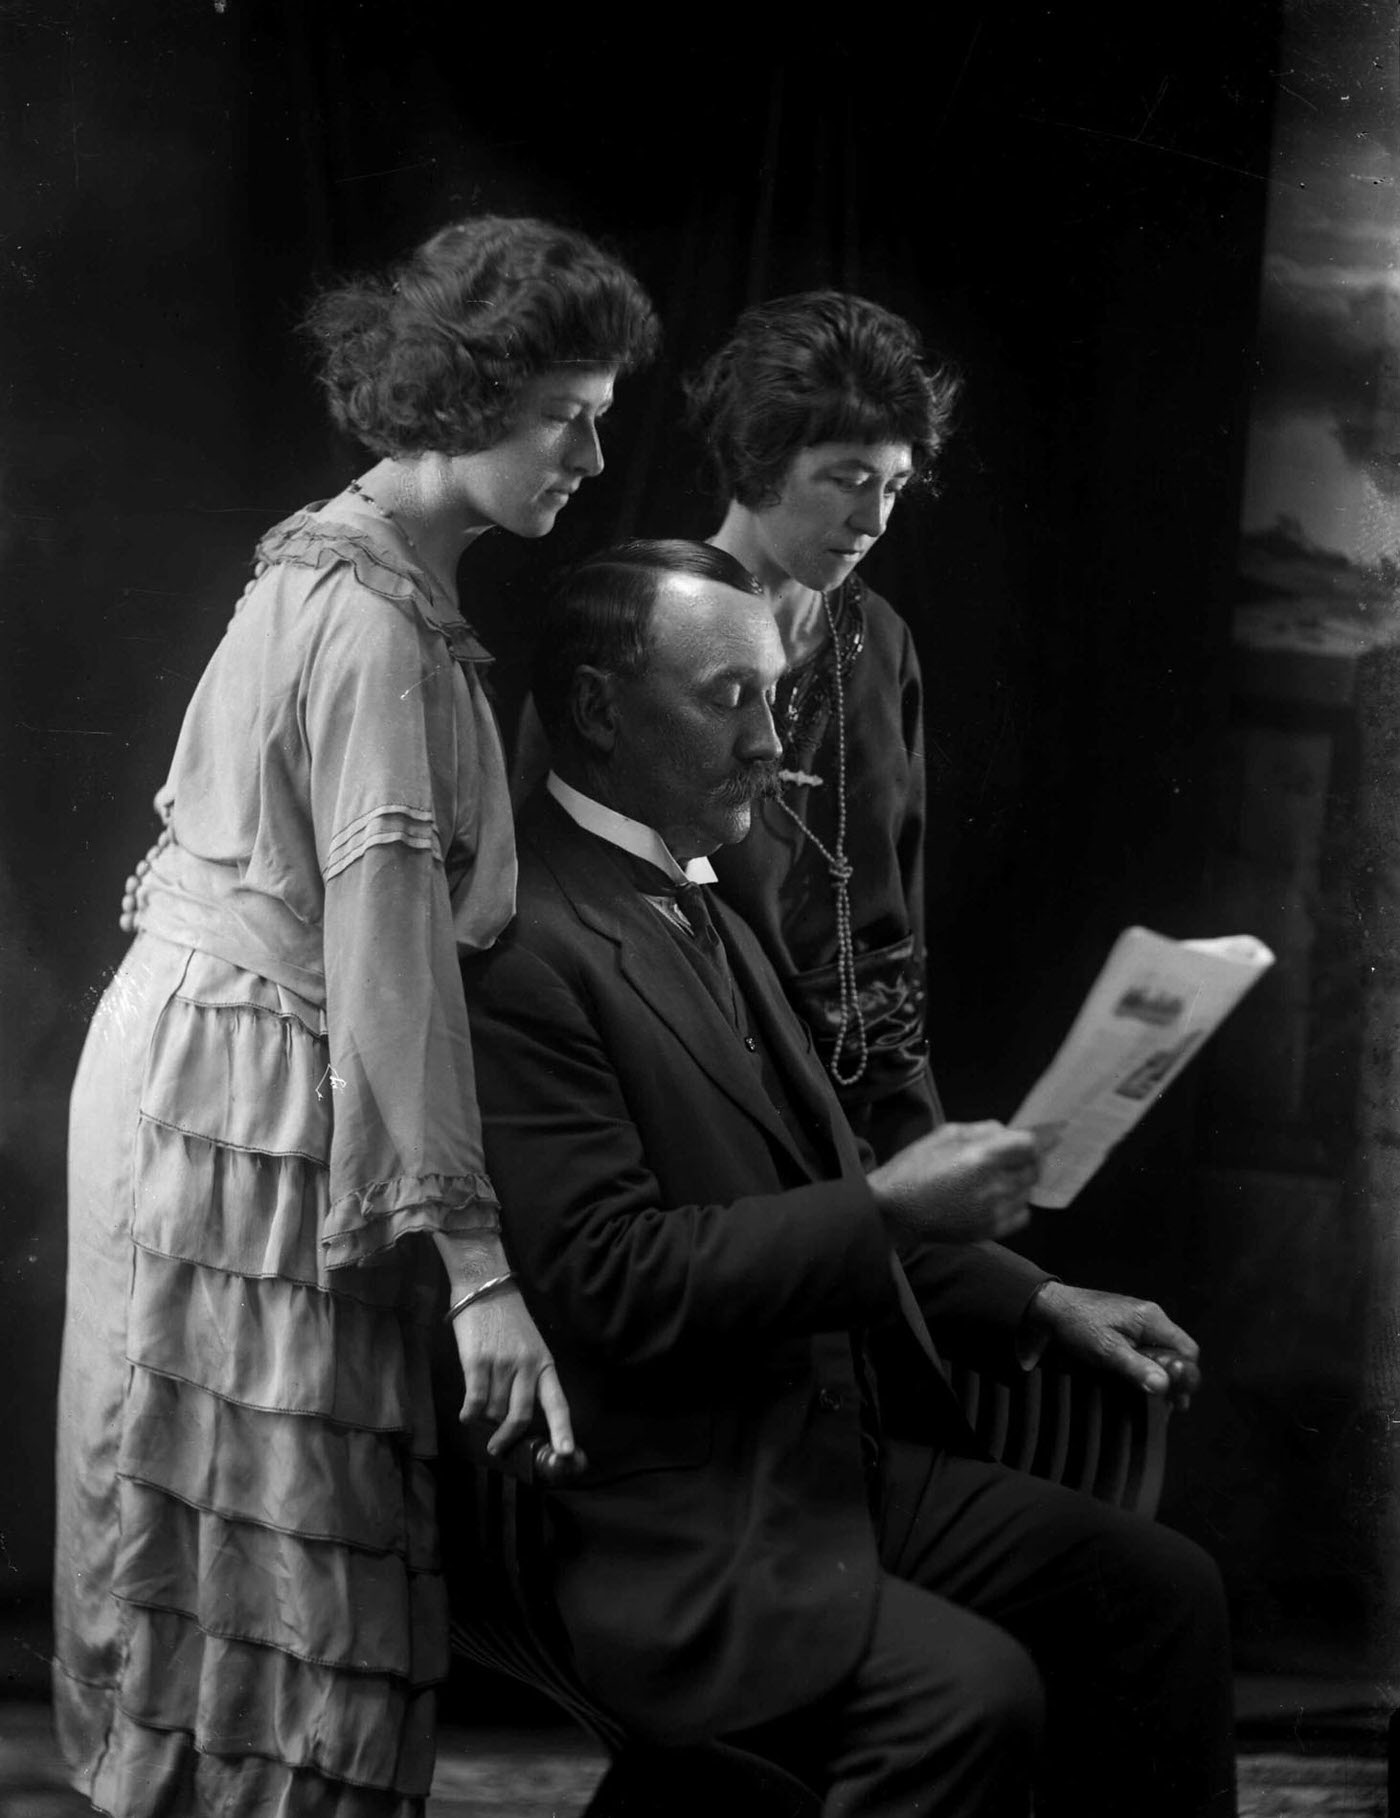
1133,1338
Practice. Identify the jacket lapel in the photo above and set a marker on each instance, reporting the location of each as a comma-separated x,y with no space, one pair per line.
606,900
808,1088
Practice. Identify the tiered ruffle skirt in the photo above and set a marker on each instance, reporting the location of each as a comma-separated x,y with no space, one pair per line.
249,1612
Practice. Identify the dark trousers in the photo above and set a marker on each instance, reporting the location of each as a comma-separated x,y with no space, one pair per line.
1028,1642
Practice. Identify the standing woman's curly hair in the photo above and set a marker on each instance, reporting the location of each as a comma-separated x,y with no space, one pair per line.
431,356
822,366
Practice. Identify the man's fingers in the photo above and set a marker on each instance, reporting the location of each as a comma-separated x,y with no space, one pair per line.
1186,1377
1145,1370
1013,1148
1119,1354
1146,1374
1162,1334
1183,1373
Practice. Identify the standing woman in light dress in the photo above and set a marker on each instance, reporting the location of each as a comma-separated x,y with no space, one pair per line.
276,1180
819,413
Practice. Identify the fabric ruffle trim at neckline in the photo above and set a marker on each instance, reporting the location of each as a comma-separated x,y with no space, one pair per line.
315,542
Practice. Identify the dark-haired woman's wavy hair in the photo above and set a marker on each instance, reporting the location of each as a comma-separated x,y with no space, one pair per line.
822,366
432,355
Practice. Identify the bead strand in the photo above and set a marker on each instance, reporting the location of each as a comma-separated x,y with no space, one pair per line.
852,1019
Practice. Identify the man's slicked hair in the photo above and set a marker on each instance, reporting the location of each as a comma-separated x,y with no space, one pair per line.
599,615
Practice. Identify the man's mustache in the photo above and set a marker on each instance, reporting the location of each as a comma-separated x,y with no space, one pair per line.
751,785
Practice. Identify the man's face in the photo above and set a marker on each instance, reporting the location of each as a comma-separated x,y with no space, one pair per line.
695,738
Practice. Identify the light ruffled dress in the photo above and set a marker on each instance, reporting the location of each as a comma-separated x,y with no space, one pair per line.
275,1107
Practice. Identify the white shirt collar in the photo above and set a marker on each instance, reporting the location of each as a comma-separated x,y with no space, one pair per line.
636,837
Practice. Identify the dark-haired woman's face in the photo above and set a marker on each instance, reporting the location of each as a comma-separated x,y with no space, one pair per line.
835,503
525,480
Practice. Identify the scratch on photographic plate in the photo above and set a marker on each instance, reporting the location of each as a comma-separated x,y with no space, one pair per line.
392,170
1167,151
71,732
1156,103
119,1003
422,679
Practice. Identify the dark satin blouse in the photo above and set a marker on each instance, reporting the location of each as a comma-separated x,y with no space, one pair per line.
780,882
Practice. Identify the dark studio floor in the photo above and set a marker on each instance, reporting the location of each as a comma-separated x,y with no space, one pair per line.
1306,1747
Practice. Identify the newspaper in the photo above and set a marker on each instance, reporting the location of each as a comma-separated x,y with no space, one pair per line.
1150,1009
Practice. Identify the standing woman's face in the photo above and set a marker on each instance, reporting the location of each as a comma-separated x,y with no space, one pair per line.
525,480
835,502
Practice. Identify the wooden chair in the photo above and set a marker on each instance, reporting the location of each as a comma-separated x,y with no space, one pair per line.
1074,1426
1064,1423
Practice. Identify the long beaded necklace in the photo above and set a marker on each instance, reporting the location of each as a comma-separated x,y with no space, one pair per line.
852,1017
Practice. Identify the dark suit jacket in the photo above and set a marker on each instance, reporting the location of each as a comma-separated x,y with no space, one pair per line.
698,1284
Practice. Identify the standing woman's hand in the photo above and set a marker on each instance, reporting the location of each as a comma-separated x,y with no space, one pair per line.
507,1370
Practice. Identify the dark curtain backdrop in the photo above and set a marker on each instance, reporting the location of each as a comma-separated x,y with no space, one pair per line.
1070,205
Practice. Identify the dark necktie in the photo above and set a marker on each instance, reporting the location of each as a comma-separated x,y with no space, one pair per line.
705,948
706,953
690,900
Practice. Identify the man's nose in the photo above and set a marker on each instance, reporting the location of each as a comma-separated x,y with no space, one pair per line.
760,742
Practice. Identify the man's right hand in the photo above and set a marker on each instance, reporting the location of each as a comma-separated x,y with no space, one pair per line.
960,1183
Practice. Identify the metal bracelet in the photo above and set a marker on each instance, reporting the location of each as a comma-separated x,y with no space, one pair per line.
475,1294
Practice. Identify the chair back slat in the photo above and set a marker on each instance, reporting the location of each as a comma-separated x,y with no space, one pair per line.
1023,1424
1057,1419
1072,1426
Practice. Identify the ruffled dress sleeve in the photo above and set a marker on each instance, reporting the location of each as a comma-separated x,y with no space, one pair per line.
407,786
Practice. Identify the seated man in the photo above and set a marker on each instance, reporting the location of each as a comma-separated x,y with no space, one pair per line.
785,1534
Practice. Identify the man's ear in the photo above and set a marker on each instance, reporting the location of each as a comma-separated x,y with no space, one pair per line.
593,708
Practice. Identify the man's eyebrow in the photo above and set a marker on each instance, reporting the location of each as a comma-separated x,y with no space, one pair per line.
733,672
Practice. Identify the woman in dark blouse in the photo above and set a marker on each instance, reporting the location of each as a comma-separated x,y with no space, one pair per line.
819,412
